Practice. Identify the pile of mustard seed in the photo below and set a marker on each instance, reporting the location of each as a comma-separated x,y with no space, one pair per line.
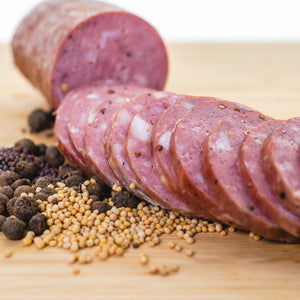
73,225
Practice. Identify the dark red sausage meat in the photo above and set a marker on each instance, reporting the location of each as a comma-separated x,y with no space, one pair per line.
114,147
281,164
219,166
82,108
250,167
62,44
186,148
138,153
98,120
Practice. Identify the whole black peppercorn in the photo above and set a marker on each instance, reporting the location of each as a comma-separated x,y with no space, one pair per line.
38,120
47,190
23,189
7,190
74,180
38,224
25,207
43,182
39,162
10,206
53,157
13,228
135,245
99,189
125,199
2,209
65,171
2,220
8,178
26,169
22,181
94,198
27,144
102,207
41,149
3,199
41,196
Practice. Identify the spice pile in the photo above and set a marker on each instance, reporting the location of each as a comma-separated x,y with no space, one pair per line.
30,161
66,210
23,169
86,216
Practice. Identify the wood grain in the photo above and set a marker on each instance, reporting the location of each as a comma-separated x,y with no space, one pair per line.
264,76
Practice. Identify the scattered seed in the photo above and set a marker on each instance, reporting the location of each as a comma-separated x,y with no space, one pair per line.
178,248
75,271
143,259
174,268
190,253
8,253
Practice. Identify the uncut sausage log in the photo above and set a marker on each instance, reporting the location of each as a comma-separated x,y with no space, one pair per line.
62,44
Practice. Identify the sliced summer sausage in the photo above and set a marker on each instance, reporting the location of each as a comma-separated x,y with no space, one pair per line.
63,139
281,163
82,108
138,153
160,142
114,147
249,164
186,150
99,118
61,45
219,166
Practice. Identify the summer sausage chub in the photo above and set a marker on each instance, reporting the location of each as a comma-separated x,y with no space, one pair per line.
62,44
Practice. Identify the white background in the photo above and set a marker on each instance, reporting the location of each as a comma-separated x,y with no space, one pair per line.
194,20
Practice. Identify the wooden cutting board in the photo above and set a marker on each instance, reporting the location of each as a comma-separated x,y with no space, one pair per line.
264,76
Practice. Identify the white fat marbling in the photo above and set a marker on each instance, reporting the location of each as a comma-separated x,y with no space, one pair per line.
188,105
165,140
106,35
103,126
222,144
124,117
141,79
92,96
140,128
91,56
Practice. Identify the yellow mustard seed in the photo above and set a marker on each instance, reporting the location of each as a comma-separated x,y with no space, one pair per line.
132,186
8,254
75,271
153,269
163,270
178,248
143,259
171,245
27,241
103,255
174,268
231,229
73,259
190,253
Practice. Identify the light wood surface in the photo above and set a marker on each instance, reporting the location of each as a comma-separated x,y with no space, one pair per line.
266,77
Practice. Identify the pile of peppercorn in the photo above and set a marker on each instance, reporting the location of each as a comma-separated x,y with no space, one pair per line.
19,210
22,188
31,161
